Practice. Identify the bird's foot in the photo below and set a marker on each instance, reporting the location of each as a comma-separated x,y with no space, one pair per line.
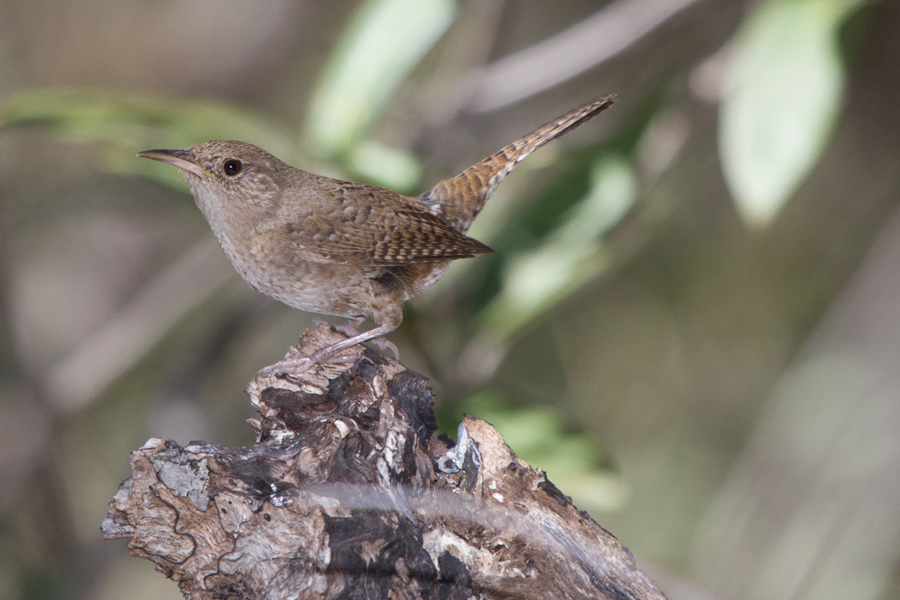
288,366
385,344
351,327
297,363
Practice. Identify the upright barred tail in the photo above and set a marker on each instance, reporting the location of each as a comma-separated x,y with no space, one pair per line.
462,197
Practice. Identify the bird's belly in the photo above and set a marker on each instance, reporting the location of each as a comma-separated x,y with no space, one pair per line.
337,290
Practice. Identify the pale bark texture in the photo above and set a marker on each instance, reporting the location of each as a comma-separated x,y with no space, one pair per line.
349,494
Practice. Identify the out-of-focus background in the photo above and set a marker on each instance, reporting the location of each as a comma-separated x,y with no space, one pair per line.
692,320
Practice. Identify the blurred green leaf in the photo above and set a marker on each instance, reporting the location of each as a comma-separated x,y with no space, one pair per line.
780,101
376,53
539,437
570,256
387,167
134,122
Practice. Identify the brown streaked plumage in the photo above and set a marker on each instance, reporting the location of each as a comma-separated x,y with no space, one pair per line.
338,248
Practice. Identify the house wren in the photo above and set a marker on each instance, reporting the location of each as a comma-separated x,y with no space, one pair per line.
338,248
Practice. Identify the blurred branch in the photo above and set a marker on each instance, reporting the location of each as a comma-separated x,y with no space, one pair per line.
561,57
103,357
466,47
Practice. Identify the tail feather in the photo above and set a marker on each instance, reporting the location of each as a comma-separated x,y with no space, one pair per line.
461,197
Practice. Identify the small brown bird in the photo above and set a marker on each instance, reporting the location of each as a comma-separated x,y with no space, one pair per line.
338,248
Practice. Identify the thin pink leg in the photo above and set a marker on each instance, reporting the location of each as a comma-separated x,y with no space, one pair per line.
296,366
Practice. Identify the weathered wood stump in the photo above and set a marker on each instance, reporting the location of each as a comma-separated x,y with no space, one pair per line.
348,494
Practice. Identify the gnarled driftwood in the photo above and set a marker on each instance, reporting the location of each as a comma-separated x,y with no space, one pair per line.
348,494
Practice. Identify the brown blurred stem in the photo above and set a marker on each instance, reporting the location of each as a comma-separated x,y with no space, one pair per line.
552,61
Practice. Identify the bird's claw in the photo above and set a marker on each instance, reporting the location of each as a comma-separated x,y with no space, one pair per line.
351,326
297,363
385,344
288,366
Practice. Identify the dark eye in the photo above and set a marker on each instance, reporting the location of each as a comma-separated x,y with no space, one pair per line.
232,167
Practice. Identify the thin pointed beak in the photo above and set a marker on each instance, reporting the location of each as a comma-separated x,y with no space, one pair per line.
176,158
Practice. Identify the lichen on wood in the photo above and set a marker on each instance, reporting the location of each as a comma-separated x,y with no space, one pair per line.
347,493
